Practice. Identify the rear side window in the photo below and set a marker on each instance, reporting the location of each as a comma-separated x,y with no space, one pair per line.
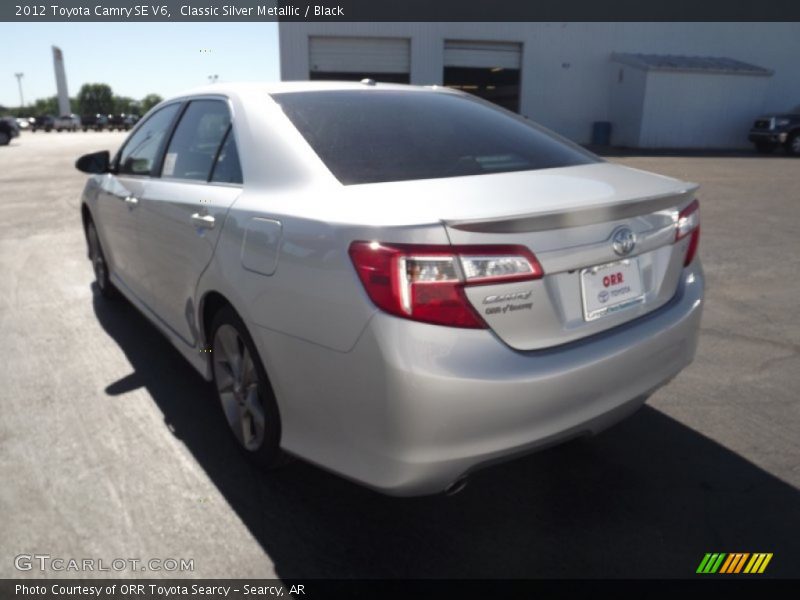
141,150
370,136
227,168
196,140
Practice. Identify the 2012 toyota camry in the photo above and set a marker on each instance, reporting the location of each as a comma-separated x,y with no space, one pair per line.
400,284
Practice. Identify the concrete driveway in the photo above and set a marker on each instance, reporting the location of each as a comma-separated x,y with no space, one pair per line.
112,447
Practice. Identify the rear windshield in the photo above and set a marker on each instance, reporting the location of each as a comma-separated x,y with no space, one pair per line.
369,136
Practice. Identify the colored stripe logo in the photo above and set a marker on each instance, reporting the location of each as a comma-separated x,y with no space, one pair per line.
734,563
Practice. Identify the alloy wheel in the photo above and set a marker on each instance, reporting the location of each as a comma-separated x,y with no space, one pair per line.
238,386
96,256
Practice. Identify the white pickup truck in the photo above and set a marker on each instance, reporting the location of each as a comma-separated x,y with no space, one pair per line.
67,123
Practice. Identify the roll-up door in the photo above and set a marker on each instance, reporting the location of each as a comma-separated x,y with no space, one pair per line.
505,55
490,70
355,58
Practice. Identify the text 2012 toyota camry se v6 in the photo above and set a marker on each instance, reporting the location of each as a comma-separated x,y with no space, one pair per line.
400,284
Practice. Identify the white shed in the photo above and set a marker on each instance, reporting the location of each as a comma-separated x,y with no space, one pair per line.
667,101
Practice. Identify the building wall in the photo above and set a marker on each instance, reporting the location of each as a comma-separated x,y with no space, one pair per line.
721,108
567,72
628,86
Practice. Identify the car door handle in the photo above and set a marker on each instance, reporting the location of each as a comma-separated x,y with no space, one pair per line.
203,221
131,201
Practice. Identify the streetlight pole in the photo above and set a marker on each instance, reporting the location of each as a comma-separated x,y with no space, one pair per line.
19,83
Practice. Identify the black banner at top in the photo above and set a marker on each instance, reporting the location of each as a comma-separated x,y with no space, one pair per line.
397,10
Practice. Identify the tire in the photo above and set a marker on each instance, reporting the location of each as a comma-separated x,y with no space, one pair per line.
764,147
102,276
244,392
793,144
4,138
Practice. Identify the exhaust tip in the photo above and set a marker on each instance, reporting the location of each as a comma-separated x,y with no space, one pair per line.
457,486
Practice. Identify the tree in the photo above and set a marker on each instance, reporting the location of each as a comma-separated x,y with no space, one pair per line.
94,98
150,101
46,106
123,104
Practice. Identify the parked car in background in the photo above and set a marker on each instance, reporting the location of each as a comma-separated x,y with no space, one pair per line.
780,130
122,122
8,130
401,284
67,123
97,122
43,122
24,122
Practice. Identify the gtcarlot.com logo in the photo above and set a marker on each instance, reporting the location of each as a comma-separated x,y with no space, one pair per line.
734,563
45,562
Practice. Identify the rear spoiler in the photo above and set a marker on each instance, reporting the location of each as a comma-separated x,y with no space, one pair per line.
577,217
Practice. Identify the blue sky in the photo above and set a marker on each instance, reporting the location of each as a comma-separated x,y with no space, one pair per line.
135,59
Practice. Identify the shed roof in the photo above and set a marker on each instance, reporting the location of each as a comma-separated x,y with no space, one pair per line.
697,64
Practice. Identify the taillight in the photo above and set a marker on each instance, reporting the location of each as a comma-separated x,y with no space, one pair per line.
426,283
689,224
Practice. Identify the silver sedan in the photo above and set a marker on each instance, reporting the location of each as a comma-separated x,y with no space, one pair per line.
400,284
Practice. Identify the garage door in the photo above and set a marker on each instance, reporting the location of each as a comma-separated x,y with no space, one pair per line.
490,70
506,55
382,59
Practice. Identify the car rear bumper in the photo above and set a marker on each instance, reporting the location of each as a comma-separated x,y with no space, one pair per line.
414,407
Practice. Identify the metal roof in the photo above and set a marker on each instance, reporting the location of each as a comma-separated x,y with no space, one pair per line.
697,64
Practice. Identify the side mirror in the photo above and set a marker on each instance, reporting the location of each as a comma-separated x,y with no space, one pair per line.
96,162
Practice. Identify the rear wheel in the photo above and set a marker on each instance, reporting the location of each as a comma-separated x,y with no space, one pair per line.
99,264
243,389
793,144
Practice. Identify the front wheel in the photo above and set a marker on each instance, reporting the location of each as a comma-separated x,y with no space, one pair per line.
243,389
4,138
99,264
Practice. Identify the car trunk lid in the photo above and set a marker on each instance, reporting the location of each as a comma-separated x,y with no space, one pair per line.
569,218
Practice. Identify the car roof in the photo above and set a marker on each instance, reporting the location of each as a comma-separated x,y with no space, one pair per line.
277,87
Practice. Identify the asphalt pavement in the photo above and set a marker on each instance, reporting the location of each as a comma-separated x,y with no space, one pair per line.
111,446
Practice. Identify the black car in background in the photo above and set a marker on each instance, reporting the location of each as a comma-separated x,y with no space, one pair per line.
96,122
122,121
44,122
771,131
8,130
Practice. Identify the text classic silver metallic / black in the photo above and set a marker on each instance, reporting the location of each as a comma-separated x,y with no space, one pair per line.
399,284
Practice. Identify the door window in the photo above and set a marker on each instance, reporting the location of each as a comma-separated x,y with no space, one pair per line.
142,148
197,140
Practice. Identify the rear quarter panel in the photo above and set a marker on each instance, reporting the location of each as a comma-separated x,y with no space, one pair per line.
313,292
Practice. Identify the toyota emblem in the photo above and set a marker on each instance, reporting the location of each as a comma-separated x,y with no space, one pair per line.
623,241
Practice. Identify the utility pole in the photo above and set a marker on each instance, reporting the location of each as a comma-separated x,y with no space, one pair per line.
19,77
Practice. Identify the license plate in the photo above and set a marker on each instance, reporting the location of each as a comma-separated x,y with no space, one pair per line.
610,288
